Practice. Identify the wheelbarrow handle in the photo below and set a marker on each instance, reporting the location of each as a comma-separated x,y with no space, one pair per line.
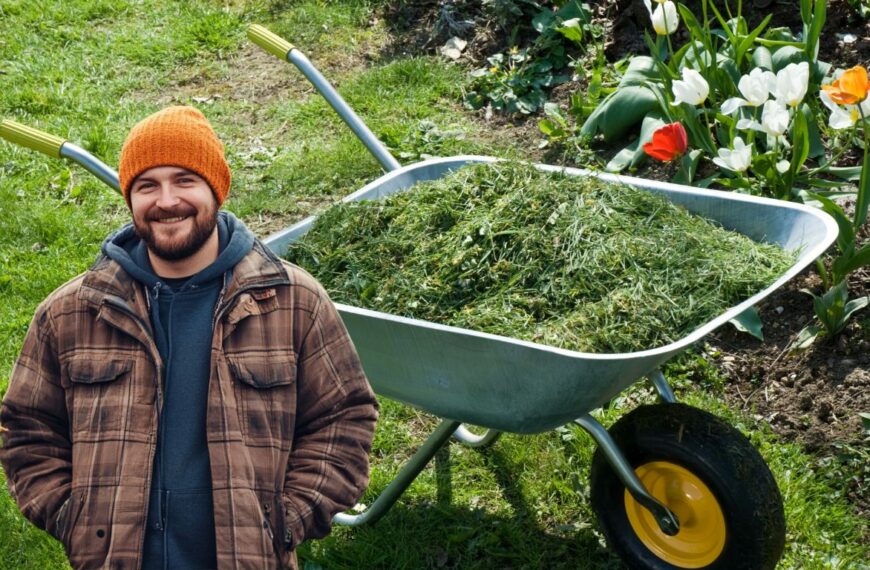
57,147
34,139
270,42
282,49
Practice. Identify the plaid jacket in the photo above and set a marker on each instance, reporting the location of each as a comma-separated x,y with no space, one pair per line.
290,416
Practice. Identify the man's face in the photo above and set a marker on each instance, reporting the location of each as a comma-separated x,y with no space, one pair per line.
174,211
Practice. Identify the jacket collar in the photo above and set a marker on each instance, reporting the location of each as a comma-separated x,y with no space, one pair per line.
259,268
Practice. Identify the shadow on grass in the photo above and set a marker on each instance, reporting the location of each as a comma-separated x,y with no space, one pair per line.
439,534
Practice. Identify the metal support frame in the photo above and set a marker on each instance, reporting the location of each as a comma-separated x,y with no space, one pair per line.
664,517
406,476
660,383
469,439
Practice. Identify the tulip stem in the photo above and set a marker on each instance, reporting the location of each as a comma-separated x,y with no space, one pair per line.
711,141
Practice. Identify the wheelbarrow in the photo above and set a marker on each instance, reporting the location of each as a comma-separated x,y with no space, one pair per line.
672,486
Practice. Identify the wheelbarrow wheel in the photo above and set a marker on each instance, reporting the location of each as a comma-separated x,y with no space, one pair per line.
708,474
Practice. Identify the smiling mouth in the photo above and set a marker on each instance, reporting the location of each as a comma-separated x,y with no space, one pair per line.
171,220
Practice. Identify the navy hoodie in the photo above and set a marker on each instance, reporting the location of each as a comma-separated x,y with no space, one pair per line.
180,524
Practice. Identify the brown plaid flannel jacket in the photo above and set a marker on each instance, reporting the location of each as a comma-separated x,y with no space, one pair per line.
290,416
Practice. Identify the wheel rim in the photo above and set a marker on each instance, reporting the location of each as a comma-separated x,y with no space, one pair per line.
702,524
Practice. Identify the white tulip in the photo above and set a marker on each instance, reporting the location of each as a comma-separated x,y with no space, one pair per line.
782,166
738,159
754,87
791,83
774,119
665,19
693,89
847,115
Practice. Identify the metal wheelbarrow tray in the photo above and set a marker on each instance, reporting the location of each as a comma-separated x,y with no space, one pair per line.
672,486
523,387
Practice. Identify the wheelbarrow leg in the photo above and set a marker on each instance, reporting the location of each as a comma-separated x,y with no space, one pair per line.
667,520
466,437
405,477
666,394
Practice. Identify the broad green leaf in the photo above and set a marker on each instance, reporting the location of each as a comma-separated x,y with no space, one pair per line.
619,112
806,11
761,58
858,260
650,124
853,306
747,42
633,154
749,322
624,157
641,69
805,338
863,199
688,167
572,30
847,233
819,183
800,147
695,29
725,27
817,148
846,172
786,55
815,29
543,20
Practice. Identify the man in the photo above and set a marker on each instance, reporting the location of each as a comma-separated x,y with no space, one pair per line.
191,401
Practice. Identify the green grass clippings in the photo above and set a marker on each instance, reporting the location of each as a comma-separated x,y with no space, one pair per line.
565,261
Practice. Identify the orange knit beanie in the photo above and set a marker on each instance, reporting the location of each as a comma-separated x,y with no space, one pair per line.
175,136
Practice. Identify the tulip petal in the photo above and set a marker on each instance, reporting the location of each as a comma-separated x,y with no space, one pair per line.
732,104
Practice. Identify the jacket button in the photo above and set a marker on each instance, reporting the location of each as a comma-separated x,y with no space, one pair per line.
101,533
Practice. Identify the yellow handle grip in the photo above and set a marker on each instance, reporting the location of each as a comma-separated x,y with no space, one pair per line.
272,43
31,138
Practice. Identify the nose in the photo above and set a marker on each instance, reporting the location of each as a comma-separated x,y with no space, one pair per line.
167,198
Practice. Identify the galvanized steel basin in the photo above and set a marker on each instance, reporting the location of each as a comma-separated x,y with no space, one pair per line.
523,387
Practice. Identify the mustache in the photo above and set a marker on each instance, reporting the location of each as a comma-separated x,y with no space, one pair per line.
161,213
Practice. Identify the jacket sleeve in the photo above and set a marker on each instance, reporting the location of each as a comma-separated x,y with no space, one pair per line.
36,453
328,468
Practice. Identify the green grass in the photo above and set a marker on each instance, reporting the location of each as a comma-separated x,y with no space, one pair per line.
575,263
88,70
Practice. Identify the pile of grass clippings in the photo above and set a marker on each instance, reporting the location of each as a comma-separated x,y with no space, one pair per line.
565,261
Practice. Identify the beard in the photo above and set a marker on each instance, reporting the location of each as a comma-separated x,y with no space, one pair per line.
177,245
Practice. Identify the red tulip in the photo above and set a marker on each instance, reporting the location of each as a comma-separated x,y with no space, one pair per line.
668,143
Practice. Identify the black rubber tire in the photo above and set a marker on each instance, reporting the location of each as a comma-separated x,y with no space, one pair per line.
714,452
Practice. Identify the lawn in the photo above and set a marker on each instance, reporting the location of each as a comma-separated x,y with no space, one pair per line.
88,70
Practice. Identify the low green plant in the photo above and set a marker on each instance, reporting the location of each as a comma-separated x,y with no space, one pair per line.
860,7
517,81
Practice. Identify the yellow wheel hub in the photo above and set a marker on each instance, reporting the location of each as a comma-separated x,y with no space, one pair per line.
702,524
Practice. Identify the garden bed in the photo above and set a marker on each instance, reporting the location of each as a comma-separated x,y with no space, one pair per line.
810,397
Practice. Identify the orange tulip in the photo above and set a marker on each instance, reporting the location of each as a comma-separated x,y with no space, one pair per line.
668,143
850,88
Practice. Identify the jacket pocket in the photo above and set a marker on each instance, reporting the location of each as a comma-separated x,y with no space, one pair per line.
67,517
265,388
98,402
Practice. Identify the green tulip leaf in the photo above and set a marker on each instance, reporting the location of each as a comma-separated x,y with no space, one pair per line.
619,112
749,322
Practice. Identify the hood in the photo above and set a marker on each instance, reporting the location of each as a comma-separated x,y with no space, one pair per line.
130,252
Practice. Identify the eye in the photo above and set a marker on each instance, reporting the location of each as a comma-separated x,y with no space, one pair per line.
144,187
